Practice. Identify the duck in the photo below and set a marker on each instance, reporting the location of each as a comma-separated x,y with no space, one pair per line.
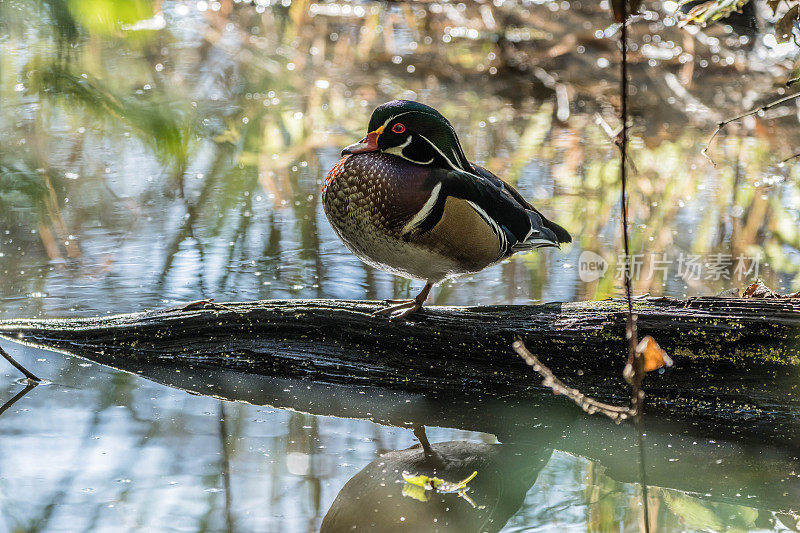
406,200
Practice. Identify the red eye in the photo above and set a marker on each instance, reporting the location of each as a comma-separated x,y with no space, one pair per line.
398,128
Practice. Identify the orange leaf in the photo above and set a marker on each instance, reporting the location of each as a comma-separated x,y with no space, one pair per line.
654,356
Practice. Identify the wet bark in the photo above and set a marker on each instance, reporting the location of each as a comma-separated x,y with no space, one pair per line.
734,381
735,359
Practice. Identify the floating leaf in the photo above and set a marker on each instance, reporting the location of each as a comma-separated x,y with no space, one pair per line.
418,480
435,483
411,490
419,486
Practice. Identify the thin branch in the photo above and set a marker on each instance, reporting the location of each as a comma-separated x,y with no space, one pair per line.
755,111
630,327
635,359
588,404
789,158
19,367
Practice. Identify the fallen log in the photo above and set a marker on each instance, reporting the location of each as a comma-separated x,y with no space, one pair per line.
734,379
736,360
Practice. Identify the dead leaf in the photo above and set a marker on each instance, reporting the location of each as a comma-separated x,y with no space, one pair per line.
773,5
654,356
784,27
759,290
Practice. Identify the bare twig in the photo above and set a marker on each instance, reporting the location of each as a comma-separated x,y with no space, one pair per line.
634,357
630,327
754,111
15,364
789,158
588,404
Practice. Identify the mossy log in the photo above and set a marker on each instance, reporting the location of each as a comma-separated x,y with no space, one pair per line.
734,380
737,361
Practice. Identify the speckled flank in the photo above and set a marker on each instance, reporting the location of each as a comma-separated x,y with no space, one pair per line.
368,198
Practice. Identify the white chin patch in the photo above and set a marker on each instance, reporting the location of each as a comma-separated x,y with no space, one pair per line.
398,151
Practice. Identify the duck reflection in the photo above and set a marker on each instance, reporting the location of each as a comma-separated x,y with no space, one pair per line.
447,486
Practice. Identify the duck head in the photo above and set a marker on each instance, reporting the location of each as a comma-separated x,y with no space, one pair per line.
416,132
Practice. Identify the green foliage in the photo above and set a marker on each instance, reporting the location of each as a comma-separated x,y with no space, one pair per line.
160,124
20,185
109,16
710,516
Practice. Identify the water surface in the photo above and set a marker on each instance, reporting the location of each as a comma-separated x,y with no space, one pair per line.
152,154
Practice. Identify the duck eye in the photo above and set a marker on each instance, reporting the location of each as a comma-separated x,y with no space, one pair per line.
398,128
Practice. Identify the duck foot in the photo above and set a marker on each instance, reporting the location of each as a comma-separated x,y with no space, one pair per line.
433,459
401,301
405,307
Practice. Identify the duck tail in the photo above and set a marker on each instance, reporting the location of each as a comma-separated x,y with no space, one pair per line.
543,234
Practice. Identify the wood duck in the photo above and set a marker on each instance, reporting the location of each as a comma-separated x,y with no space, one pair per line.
406,200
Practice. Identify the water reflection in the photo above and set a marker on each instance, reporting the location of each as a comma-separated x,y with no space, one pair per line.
160,152
385,496
300,450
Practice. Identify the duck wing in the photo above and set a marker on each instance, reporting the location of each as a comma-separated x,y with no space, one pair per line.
562,234
517,224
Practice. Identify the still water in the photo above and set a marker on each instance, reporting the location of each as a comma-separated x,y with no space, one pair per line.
152,154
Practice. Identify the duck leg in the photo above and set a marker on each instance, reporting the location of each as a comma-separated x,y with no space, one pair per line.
406,307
